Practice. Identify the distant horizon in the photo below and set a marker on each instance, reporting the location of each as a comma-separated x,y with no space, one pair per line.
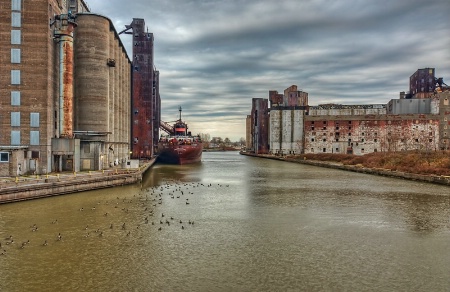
215,56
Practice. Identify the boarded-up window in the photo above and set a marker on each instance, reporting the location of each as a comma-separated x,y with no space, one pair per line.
15,137
87,149
34,120
15,56
15,97
16,19
34,137
15,119
15,37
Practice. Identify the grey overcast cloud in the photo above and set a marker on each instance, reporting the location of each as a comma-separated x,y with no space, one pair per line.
214,56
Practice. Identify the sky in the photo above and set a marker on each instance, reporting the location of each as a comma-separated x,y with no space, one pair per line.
214,56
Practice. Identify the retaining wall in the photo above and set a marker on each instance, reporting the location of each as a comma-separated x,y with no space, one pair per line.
436,179
65,184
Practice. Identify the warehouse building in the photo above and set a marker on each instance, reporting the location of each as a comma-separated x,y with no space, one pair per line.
418,122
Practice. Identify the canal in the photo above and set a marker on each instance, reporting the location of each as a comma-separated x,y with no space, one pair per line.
233,223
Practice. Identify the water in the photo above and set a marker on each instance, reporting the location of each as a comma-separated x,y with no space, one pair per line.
259,225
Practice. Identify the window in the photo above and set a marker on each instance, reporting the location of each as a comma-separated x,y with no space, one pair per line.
324,140
324,150
15,37
15,77
430,140
34,120
375,140
15,56
337,149
15,98
34,137
312,139
15,5
15,137
362,150
312,150
362,140
4,157
15,19
15,119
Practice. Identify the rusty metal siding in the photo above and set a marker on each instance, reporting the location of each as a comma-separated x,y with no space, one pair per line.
260,125
143,96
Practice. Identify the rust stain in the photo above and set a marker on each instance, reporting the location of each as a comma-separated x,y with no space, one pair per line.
68,88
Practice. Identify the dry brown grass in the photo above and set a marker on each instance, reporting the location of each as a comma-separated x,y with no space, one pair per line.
437,162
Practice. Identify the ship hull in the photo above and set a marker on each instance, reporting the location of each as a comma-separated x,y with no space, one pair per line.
180,154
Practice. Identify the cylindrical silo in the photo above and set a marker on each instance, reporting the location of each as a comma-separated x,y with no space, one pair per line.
91,76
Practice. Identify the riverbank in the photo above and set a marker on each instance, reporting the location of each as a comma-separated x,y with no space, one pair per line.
430,178
41,186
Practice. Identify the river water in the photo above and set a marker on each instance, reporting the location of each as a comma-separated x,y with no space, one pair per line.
258,225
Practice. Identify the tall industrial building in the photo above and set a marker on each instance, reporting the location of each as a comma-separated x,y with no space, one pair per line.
66,89
260,125
145,95
422,83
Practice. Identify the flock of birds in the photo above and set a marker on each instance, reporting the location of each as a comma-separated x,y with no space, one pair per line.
123,215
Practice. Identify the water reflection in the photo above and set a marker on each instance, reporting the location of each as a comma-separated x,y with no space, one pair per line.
259,225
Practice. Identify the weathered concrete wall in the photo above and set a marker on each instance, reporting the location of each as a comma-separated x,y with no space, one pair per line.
347,110
91,50
409,106
286,135
54,186
102,93
368,134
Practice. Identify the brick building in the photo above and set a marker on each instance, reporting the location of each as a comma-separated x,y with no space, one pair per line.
65,89
421,123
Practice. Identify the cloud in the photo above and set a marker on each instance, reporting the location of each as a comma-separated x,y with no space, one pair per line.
214,56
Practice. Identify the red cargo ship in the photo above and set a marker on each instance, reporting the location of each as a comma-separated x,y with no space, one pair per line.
179,146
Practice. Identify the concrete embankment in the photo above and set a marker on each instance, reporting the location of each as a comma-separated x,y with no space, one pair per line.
27,188
436,179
